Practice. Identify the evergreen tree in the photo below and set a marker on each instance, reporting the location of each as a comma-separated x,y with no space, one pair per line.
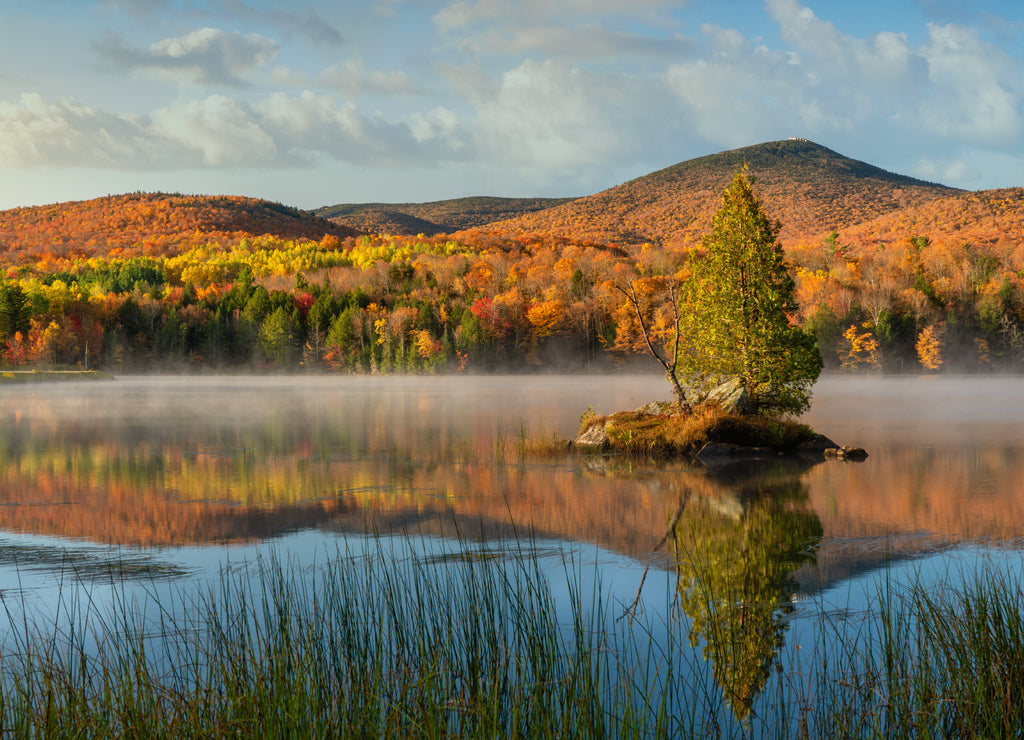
736,308
14,311
275,337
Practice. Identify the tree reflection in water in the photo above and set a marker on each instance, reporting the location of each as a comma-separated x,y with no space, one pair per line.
736,556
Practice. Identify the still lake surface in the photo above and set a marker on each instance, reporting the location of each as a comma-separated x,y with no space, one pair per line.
150,484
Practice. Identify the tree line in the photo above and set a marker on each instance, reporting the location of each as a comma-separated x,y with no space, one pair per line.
485,302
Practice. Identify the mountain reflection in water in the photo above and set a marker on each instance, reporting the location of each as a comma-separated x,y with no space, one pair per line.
173,462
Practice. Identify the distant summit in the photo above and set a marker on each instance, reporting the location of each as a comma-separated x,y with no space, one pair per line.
435,217
810,188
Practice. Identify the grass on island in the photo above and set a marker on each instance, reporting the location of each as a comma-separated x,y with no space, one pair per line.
471,644
678,434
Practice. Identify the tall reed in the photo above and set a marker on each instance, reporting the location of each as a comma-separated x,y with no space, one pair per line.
468,640
466,644
940,660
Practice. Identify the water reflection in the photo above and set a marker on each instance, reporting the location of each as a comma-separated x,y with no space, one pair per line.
162,465
147,462
737,553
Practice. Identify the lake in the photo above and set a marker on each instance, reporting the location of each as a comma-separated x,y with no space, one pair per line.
151,484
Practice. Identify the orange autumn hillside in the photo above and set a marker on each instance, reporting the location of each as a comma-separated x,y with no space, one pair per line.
892,274
811,189
991,221
151,224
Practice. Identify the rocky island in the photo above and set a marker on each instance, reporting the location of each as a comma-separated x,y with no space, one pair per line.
719,429
722,329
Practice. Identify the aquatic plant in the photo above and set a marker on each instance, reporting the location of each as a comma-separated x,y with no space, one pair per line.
470,641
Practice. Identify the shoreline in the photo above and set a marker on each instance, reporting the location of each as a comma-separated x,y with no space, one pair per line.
14,377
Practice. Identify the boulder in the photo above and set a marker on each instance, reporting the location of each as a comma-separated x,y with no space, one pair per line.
852,454
595,439
818,445
732,397
657,408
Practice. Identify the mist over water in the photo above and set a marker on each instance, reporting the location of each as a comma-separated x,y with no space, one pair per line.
175,460
973,411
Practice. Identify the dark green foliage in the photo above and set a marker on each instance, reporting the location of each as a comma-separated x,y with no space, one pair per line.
736,581
14,310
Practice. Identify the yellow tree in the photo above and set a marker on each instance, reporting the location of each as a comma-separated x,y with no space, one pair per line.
546,317
929,347
860,348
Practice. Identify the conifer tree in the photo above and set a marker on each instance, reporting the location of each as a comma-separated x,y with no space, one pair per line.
736,309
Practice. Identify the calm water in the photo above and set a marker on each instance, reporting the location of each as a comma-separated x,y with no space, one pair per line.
159,482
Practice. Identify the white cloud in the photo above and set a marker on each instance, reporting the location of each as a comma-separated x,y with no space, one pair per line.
220,130
309,124
302,20
739,94
576,30
551,115
976,90
462,14
955,88
883,62
351,77
204,56
529,90
580,43
34,133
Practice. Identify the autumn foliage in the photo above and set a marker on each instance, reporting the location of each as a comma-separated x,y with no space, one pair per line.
154,280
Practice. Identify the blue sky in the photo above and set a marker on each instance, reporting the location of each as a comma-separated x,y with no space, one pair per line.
322,102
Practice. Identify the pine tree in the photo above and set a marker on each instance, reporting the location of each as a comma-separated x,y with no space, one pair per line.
14,311
736,309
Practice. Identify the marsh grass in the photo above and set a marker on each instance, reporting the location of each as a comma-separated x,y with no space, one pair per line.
939,661
386,646
469,642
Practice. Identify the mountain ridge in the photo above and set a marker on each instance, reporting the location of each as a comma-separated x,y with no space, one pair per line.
810,188
433,217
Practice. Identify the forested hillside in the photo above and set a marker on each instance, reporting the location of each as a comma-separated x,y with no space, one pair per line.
990,220
811,189
151,224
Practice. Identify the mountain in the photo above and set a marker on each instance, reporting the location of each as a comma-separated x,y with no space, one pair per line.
435,217
152,223
811,189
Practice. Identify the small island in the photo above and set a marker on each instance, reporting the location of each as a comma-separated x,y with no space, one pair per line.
717,431
723,331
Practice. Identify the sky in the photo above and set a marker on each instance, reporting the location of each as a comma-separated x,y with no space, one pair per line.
318,102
